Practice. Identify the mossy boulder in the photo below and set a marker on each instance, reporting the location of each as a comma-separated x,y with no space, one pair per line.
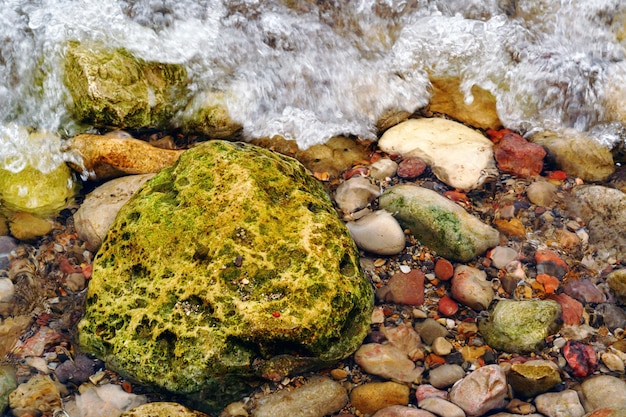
111,87
228,266
439,223
520,326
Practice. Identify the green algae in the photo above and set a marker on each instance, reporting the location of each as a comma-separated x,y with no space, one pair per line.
189,291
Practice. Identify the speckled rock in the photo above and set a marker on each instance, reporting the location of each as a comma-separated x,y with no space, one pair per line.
560,404
519,326
577,154
483,390
110,87
373,396
160,409
533,377
8,383
603,391
604,210
317,397
608,412
40,394
439,223
270,284
458,156
100,207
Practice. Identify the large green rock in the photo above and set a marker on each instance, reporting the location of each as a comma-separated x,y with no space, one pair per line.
439,223
111,87
230,265
520,326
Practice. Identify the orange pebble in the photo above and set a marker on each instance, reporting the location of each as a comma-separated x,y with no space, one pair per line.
433,359
550,283
444,270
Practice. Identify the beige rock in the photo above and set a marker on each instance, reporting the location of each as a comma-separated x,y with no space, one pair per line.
378,232
541,193
447,98
483,390
39,395
387,361
11,329
161,408
318,397
373,396
603,391
560,404
471,288
25,226
577,154
459,156
107,157
383,168
95,215
355,194
441,407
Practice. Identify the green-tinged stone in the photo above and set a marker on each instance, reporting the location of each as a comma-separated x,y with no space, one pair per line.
519,326
439,223
8,383
111,87
207,114
533,377
230,265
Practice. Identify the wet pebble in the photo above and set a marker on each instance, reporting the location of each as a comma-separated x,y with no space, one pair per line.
388,361
318,397
617,282
429,330
378,232
441,346
424,391
355,194
103,401
483,390
603,391
584,290
613,362
7,245
404,288
501,256
402,411
444,270
77,370
445,376
533,377
541,193
373,396
447,306
411,167
161,408
516,155
613,316
8,383
571,309
383,168
560,404
441,407
40,394
471,288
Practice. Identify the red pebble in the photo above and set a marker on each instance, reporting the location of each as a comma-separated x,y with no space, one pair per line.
549,262
404,288
411,167
516,155
557,175
447,306
572,310
496,135
444,270
580,357
363,171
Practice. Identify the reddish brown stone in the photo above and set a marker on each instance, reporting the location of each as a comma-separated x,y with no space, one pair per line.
549,262
572,310
403,289
447,306
411,167
580,357
516,155
444,270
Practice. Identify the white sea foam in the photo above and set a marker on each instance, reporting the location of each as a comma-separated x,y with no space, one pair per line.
309,70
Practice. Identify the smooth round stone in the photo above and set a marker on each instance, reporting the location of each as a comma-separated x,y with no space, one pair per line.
613,362
441,346
373,396
541,193
603,391
560,404
483,390
7,290
402,411
378,232
445,376
471,288
429,330
383,168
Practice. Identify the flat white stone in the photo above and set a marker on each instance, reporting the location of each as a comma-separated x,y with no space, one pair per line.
459,156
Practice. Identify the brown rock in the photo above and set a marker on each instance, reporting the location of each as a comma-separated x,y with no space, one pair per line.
448,98
404,288
411,167
371,397
516,155
112,156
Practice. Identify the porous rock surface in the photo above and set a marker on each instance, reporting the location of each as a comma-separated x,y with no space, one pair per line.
230,265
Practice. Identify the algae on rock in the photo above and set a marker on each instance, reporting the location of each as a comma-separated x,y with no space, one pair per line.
230,265
111,87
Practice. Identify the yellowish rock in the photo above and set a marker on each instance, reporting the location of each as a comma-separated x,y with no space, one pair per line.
371,397
577,154
26,227
208,114
39,395
106,156
533,377
459,156
447,98
162,408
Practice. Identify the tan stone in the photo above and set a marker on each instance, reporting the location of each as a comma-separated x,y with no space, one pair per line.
25,226
447,98
162,408
371,397
39,395
112,156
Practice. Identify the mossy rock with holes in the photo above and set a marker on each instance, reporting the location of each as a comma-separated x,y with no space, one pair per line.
228,266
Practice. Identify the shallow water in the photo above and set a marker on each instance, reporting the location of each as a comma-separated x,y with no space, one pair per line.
309,69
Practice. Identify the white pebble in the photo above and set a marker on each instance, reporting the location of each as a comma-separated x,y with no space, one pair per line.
613,362
405,268
378,232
